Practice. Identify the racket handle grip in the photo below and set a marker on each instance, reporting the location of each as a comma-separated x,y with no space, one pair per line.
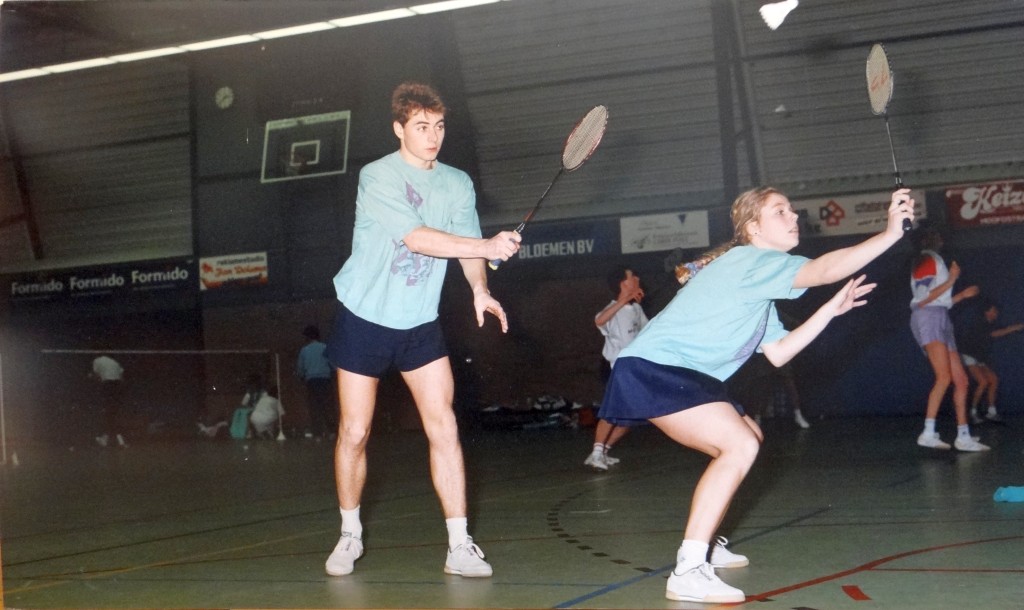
497,262
907,225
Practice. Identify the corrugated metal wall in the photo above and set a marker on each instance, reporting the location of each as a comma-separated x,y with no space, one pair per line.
109,173
538,67
106,159
532,67
955,115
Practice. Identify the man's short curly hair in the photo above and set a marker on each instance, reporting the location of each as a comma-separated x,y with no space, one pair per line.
409,98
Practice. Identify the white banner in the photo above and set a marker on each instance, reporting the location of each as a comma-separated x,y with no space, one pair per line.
664,231
233,270
850,214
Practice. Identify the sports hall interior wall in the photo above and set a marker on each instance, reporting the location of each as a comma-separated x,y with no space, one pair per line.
664,153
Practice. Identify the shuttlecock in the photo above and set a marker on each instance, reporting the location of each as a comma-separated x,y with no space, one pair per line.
775,13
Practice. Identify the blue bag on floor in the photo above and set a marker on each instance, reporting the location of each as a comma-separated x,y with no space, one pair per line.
240,422
1009,494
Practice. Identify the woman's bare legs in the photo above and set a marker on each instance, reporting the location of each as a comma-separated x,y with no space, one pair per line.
715,429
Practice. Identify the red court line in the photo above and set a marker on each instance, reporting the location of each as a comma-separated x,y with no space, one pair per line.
868,566
855,593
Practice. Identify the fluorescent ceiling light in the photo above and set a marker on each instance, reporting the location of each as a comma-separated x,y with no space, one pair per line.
147,54
219,42
343,22
295,30
79,65
448,5
397,13
20,74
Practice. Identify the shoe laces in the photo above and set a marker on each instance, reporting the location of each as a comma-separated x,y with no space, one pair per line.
351,539
470,548
721,541
705,569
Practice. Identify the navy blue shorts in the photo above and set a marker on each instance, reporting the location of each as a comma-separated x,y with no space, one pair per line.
640,390
359,346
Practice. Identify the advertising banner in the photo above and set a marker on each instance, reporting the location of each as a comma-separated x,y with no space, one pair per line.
564,239
986,204
850,214
657,232
233,270
118,281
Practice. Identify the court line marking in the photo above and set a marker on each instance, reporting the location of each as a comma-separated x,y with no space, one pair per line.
663,569
871,565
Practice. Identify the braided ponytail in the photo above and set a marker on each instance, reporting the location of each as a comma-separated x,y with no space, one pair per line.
744,210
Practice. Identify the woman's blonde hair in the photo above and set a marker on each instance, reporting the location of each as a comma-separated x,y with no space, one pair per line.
745,209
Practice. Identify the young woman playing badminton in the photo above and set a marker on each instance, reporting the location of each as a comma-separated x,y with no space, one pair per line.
932,285
672,374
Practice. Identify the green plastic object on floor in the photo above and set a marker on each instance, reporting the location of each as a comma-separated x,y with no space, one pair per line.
1009,494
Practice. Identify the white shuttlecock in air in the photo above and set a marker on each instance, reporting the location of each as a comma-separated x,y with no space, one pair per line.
775,13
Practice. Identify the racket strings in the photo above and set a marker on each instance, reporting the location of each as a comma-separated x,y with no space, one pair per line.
584,138
879,78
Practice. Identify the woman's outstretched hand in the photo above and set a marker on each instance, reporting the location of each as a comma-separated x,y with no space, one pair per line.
850,296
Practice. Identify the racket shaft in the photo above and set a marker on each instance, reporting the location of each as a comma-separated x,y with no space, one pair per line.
522,226
907,225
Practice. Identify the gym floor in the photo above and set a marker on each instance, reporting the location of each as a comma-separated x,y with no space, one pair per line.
848,514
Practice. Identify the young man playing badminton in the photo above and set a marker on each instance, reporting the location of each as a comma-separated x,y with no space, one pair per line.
412,214
673,373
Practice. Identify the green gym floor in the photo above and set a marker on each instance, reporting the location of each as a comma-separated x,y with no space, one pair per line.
850,514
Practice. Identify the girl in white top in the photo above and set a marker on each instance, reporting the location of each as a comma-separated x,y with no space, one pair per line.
932,285
619,322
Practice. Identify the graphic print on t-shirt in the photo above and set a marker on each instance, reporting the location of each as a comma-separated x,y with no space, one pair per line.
415,268
925,273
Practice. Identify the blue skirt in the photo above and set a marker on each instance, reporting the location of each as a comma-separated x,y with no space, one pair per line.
640,390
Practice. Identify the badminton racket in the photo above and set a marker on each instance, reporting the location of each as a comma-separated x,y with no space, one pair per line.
581,143
880,85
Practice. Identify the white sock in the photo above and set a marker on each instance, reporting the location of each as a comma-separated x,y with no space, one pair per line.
350,522
929,426
992,410
691,554
598,448
457,531
963,432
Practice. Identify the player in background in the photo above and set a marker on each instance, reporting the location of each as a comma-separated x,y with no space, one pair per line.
619,323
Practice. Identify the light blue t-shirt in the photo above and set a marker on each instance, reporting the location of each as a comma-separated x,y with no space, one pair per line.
312,362
382,281
723,314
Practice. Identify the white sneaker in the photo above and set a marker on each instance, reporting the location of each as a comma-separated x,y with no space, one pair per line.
798,417
993,415
597,461
722,557
611,461
932,441
969,444
467,560
343,557
121,442
976,418
102,440
701,585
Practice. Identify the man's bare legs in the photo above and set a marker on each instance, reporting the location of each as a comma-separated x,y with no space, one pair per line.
357,395
433,390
